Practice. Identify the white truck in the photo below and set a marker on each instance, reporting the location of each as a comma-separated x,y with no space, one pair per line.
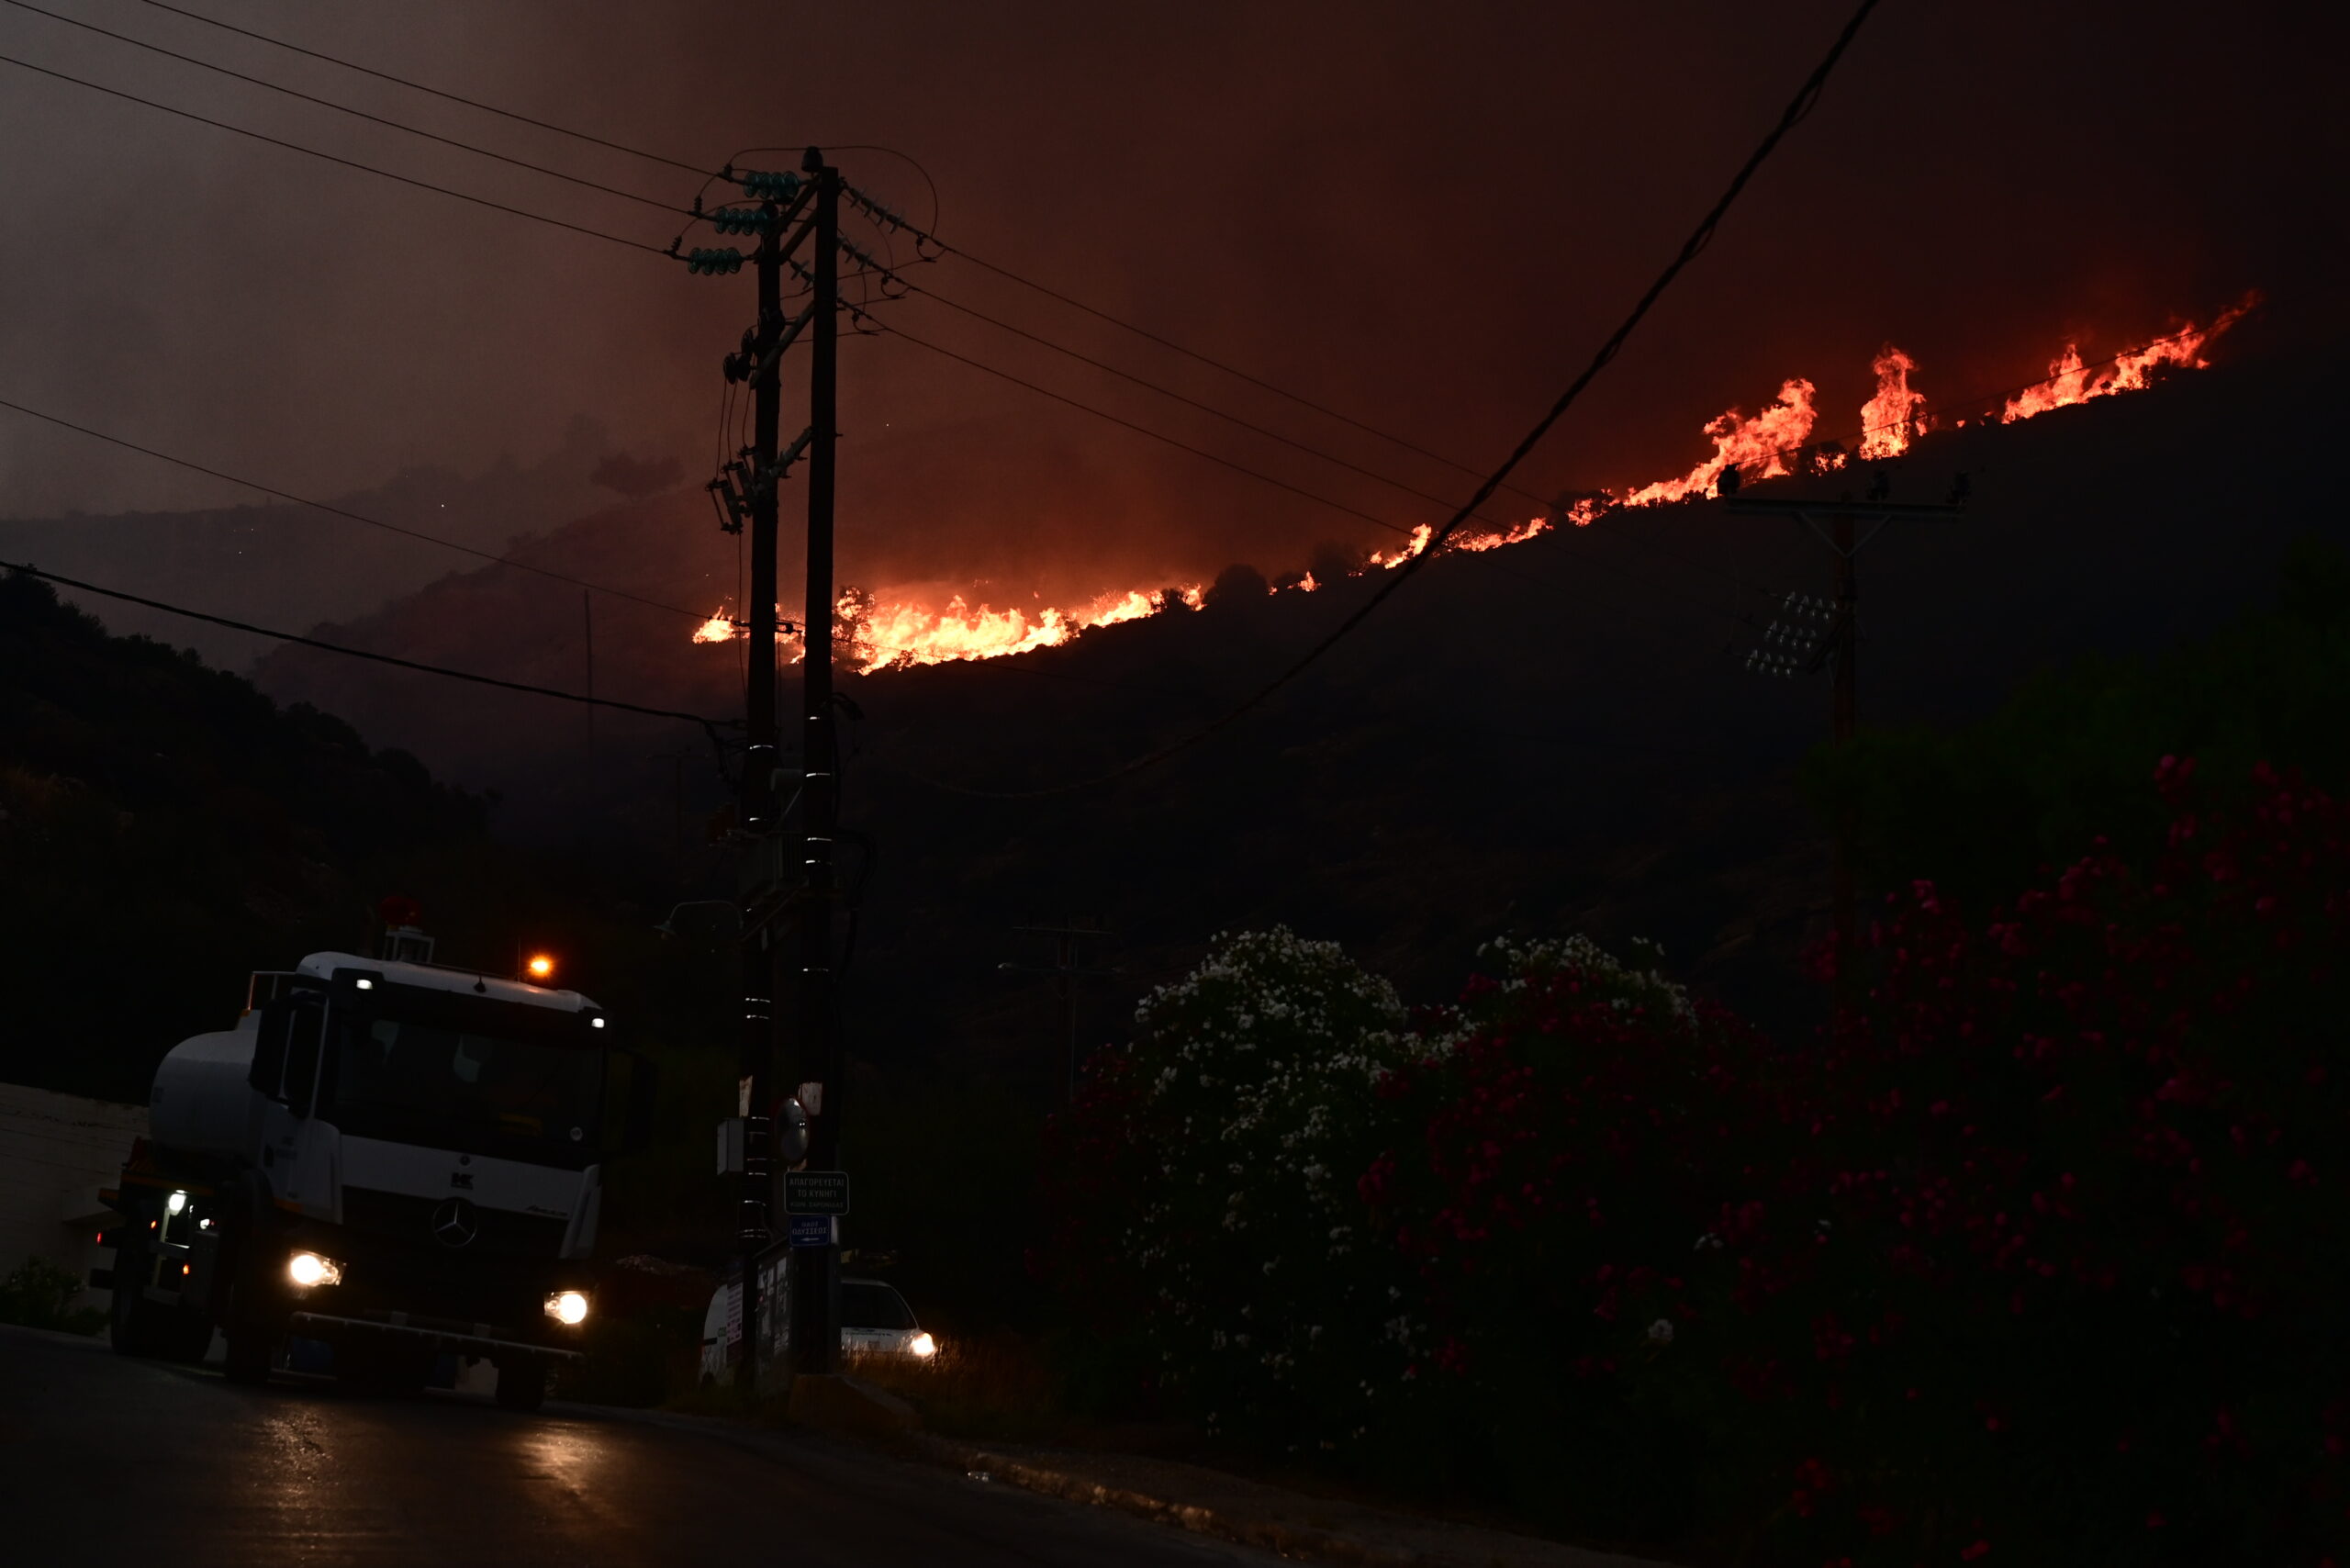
398,1158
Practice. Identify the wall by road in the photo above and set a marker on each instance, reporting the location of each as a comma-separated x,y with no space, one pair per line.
56,1151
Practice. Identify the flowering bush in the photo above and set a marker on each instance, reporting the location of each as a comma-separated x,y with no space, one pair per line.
2032,1257
1209,1184
1556,1161
2078,1301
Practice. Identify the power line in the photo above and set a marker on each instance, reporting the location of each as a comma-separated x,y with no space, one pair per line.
710,725
345,108
890,274
1261,475
1796,111
342,512
332,158
1643,541
929,235
420,87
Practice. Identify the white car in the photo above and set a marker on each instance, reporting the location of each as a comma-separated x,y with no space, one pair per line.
875,1321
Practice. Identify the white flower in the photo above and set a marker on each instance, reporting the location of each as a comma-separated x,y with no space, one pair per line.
1661,1332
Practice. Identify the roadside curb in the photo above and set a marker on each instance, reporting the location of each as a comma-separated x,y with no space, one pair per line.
1326,1546
1190,1497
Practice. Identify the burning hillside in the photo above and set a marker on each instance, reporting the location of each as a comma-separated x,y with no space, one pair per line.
896,628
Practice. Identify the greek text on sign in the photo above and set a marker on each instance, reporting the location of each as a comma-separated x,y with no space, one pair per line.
815,1192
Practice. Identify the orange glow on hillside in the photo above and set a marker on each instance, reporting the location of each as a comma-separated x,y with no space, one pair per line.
897,629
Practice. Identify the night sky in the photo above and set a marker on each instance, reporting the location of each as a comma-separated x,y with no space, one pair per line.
1426,215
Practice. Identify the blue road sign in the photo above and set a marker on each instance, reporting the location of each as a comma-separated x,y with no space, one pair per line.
812,1230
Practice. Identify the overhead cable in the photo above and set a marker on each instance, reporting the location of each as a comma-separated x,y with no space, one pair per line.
332,510
667,206
710,725
420,87
333,158
1796,111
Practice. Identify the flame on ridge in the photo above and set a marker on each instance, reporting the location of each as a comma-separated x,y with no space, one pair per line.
1773,442
1760,446
898,635
2070,382
1891,418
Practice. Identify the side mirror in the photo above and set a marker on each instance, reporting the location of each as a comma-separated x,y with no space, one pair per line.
643,1095
268,1072
304,1018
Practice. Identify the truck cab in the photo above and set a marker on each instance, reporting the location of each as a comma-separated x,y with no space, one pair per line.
400,1159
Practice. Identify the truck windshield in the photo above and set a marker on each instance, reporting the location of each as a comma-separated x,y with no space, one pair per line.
451,1086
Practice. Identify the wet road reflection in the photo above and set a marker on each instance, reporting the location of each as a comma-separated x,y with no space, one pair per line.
105,1459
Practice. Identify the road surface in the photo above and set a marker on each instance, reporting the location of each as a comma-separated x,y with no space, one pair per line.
104,1459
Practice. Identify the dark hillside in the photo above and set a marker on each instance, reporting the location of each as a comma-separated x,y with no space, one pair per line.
1539,738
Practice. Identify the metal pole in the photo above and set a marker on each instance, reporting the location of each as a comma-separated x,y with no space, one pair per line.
588,626
1844,719
755,1065
820,798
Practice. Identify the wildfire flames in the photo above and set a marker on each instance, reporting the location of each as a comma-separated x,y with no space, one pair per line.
883,631
2069,381
1891,418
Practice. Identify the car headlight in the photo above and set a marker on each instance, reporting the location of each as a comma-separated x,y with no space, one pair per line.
567,1307
308,1268
921,1345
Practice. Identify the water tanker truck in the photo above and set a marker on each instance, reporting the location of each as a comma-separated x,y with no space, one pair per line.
398,1160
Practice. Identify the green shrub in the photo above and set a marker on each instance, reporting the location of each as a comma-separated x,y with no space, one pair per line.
40,1294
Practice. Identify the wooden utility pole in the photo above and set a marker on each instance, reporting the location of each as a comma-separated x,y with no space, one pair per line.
1066,974
1840,645
755,1065
815,1317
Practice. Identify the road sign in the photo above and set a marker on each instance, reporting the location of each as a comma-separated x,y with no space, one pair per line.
814,1230
815,1192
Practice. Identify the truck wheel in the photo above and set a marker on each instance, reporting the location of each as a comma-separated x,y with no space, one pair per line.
189,1337
134,1324
249,1353
521,1385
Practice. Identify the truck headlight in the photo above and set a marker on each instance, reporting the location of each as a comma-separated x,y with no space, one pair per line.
567,1307
308,1268
921,1345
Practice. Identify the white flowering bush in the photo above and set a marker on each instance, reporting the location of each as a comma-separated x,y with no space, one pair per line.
1222,1147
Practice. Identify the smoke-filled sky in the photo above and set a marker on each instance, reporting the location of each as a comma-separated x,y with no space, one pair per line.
1426,215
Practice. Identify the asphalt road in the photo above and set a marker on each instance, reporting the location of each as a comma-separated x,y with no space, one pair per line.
104,1459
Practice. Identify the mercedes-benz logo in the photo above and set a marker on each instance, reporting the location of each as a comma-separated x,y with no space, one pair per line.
455,1223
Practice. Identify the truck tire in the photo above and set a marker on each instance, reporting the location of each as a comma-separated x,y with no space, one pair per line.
187,1336
134,1324
521,1385
252,1318
250,1354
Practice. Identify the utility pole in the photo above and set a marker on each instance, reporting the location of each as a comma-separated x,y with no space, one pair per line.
588,626
1066,973
794,208
1837,642
745,490
816,1320
755,1067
